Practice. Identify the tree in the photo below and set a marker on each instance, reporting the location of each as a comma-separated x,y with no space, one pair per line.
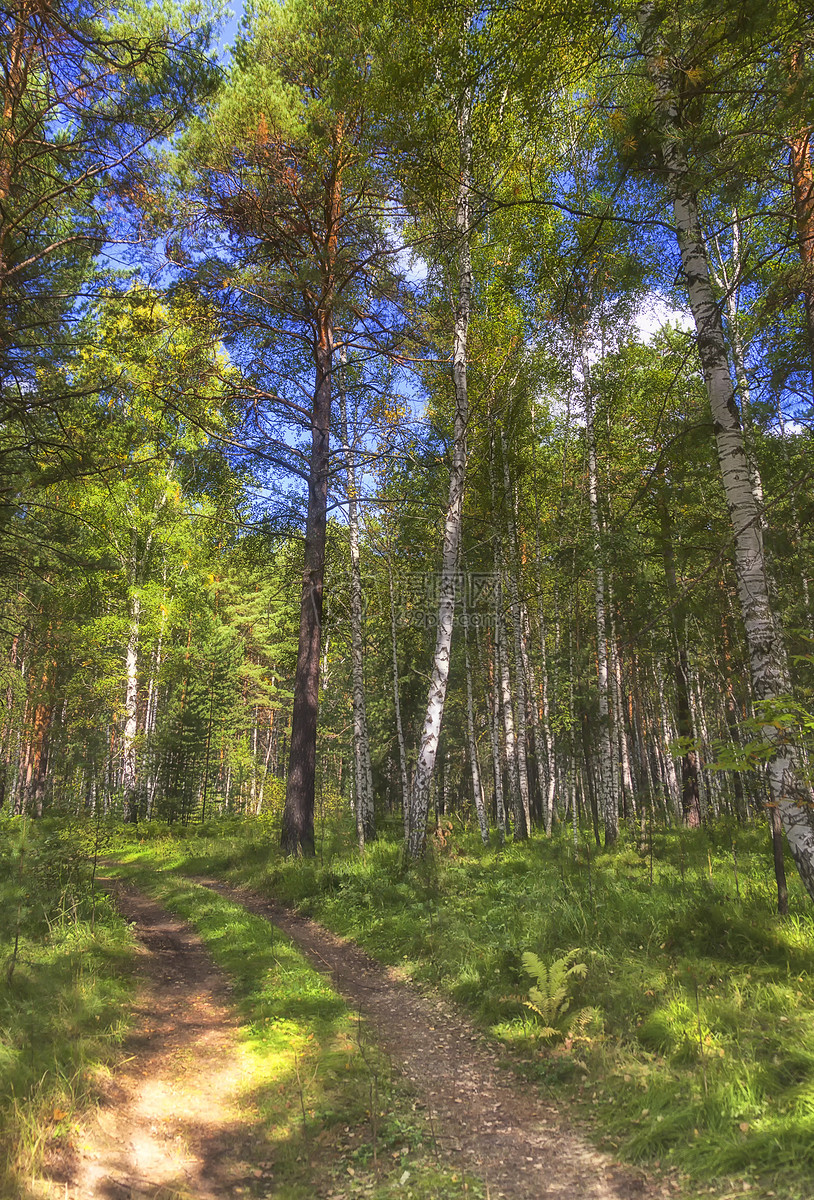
283,167
770,679
86,93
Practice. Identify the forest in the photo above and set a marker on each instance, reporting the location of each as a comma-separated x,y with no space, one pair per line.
406,425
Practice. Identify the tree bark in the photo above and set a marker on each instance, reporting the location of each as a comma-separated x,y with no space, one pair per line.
129,760
607,791
510,734
394,651
512,571
477,787
690,792
439,676
363,774
802,181
494,739
768,668
297,835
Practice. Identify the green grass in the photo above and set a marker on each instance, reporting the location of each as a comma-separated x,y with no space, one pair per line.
701,1058
325,1107
64,993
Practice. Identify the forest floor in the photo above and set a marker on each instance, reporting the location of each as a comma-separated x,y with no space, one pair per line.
177,1120
482,1120
169,1123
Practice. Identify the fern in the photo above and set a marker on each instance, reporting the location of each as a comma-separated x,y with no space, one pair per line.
549,998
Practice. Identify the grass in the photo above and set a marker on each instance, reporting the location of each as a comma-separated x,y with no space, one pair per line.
65,989
700,1055
329,1116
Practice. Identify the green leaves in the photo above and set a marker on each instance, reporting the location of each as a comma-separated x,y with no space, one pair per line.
550,997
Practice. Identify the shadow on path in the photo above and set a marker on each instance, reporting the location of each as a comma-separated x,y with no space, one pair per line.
482,1120
168,1125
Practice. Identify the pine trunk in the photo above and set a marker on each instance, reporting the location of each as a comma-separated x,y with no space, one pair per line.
802,179
298,815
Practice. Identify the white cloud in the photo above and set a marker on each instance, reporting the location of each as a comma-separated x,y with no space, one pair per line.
654,313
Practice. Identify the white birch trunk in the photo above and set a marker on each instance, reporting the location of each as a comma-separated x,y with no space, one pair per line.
266,761
428,743
712,779
477,788
703,789
517,632
510,737
493,705
729,286
626,775
673,785
545,715
129,763
394,649
605,781
768,668
540,749
363,774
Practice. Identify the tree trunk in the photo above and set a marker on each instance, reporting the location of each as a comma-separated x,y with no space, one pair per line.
673,790
690,793
428,744
510,736
607,791
297,835
363,774
477,787
542,750
766,652
129,762
517,634
626,778
394,650
494,740
802,180
545,714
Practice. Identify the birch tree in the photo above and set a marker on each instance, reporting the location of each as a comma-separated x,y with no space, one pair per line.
769,672
439,674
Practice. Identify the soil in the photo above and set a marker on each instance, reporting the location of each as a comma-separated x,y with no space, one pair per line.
483,1121
170,1126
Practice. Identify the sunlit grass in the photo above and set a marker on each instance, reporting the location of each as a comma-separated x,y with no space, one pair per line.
63,1016
321,1097
706,1060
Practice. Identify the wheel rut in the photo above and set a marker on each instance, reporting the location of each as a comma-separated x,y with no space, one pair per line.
168,1124
482,1120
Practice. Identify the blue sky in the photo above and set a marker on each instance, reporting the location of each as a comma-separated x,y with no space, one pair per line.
230,26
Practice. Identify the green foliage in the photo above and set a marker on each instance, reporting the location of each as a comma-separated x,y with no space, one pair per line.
550,997
63,1003
314,1078
665,960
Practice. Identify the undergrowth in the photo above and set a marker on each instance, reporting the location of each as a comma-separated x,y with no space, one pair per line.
701,1059
330,1117
64,991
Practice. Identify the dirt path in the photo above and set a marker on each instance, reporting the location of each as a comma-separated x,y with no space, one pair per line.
492,1126
169,1126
